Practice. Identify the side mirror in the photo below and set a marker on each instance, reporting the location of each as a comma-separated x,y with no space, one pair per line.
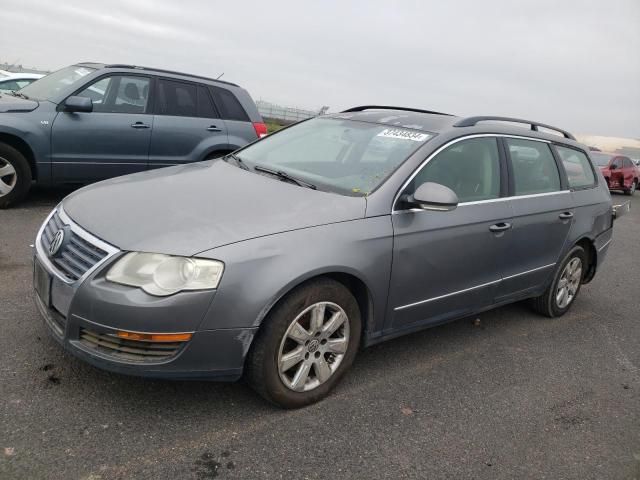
78,104
433,196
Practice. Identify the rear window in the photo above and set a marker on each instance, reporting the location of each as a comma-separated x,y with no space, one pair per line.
576,164
229,105
534,168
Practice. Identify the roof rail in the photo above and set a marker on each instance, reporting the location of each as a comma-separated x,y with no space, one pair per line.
472,121
171,72
387,107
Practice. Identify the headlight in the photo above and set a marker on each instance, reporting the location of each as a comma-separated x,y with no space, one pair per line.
163,275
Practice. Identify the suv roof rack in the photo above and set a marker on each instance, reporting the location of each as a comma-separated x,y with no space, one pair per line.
472,121
387,107
137,67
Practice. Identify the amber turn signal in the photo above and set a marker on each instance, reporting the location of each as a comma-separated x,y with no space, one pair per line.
155,337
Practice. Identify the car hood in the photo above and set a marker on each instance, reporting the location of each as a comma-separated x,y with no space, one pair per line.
191,208
9,103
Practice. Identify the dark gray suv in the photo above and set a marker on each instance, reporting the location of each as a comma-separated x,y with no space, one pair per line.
92,121
279,261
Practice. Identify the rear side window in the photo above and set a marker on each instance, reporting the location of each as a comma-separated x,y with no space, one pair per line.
229,105
206,108
533,166
471,168
177,98
577,166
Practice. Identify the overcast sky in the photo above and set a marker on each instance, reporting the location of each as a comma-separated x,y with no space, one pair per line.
575,63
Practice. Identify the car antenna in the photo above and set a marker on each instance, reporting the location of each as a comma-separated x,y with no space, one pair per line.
219,76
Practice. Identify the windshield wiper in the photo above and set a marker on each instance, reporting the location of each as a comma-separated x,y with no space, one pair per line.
19,95
285,176
238,160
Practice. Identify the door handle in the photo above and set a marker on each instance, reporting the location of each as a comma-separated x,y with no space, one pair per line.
139,125
565,216
500,227
213,128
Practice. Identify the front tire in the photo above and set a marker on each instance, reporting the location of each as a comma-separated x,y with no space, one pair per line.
560,295
15,176
305,345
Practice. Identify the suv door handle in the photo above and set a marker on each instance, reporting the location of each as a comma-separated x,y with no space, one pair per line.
213,128
565,216
500,227
139,125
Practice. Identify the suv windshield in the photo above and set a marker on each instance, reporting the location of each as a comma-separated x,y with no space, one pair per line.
49,86
601,159
345,156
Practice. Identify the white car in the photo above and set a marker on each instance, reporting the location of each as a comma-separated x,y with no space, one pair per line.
15,81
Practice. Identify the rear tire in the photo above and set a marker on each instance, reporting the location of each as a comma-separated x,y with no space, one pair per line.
292,366
15,176
633,188
568,278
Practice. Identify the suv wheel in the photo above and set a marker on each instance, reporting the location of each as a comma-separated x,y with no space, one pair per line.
632,189
564,288
15,176
305,345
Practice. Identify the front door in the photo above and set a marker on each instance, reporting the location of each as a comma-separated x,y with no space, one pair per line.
111,140
448,264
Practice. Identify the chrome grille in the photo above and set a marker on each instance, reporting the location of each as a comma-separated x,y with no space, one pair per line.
77,256
129,350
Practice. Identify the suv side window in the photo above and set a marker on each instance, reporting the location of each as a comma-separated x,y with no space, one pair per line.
177,98
229,105
471,168
206,108
577,166
118,94
533,166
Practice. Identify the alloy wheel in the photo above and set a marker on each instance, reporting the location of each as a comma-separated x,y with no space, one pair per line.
569,282
8,177
313,346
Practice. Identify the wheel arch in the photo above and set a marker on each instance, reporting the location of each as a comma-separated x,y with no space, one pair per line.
592,258
23,147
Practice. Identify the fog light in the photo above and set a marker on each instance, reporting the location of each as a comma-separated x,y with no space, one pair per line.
155,337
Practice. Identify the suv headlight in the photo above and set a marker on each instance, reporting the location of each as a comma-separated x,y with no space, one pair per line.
163,275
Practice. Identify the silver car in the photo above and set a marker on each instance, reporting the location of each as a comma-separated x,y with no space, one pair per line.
280,261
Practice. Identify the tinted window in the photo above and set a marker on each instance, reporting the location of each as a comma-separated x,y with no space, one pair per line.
576,164
471,168
229,105
205,105
534,168
177,98
118,94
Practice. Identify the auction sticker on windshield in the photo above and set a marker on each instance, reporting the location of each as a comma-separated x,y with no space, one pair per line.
403,134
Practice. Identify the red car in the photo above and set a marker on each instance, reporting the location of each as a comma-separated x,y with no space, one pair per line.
619,171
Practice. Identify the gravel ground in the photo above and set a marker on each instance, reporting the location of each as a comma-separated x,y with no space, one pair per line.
513,396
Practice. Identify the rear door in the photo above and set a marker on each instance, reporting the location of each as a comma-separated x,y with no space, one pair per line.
447,264
187,125
239,126
111,140
543,212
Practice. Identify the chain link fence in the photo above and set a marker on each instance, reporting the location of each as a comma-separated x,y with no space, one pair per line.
286,115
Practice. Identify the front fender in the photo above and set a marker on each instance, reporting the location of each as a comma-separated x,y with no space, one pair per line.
259,272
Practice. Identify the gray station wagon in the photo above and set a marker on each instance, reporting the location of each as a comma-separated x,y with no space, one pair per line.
281,260
91,121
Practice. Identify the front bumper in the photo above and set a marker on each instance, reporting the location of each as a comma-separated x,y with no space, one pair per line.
84,316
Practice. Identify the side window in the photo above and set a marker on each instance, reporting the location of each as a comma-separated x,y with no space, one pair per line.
118,94
229,105
206,108
627,163
534,168
9,85
177,98
577,166
471,168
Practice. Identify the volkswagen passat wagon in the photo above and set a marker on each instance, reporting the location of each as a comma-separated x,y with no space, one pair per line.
281,260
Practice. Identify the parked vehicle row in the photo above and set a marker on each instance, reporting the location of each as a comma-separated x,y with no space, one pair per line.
283,259
15,81
91,121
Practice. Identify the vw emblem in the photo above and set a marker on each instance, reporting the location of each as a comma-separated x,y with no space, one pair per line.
56,242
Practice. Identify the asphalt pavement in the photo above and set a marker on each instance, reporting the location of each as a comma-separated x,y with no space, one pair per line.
513,395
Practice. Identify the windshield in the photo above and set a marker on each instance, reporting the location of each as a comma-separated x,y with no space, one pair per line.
50,85
601,159
345,156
